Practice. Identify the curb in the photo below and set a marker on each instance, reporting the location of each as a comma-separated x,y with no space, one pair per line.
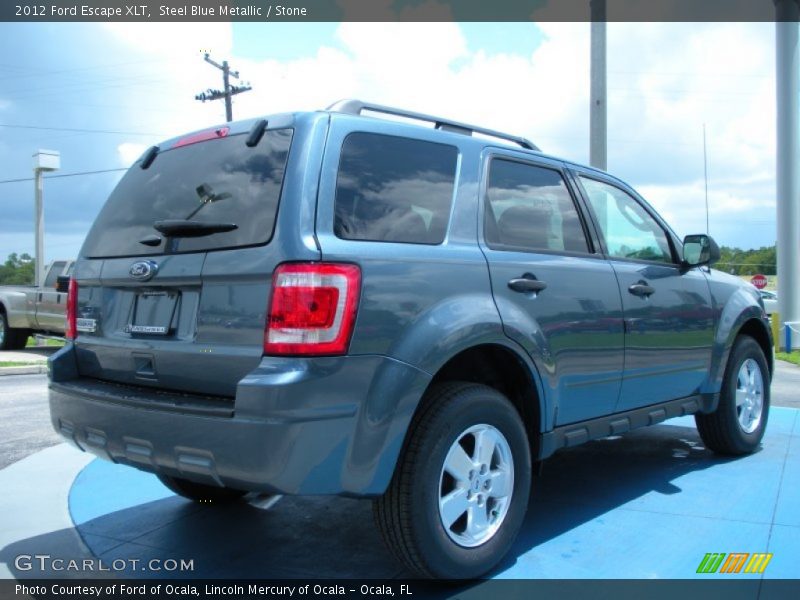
787,362
24,370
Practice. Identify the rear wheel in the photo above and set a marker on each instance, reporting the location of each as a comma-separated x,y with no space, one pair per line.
200,492
11,339
460,491
738,424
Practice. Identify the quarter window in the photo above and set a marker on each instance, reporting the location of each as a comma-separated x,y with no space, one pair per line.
629,231
394,189
529,209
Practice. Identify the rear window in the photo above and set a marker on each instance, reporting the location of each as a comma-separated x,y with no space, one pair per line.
216,181
53,273
394,189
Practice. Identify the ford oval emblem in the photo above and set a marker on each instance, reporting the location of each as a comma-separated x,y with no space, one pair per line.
143,270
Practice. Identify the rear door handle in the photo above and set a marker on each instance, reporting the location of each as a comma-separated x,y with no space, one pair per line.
641,289
527,283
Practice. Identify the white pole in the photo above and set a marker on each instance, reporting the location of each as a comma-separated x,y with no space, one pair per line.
39,261
705,175
598,92
43,160
787,66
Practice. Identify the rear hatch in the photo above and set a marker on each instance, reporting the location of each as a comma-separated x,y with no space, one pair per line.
175,273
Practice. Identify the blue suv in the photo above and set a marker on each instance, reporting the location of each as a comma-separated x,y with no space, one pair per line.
348,302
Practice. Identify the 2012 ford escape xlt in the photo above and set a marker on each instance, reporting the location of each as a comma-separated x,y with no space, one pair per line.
337,303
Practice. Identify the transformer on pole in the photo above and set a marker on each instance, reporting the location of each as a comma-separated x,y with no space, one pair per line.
228,91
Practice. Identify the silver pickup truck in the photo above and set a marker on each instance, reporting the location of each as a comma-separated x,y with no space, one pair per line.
25,309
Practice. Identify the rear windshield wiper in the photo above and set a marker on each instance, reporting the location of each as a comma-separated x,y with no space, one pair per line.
187,228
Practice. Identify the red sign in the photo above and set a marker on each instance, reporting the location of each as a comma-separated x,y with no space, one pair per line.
760,281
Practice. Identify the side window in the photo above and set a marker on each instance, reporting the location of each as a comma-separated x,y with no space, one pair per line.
394,189
53,273
629,231
530,208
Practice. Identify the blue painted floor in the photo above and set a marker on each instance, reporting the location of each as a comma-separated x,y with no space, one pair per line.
649,504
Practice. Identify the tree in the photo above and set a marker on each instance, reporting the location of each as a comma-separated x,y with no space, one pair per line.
17,270
748,262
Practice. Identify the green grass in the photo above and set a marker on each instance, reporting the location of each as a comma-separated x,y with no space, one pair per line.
11,363
32,342
792,357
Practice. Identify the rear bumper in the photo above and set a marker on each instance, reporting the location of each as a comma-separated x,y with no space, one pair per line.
331,425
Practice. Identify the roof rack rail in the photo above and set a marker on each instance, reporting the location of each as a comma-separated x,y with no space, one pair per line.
356,107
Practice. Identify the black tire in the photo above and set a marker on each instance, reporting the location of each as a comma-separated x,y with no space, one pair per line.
408,514
200,492
11,339
722,431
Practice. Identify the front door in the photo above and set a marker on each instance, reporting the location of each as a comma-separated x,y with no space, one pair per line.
669,321
50,303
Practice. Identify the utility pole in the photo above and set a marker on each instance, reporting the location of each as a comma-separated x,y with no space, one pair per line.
598,109
43,161
705,175
787,67
229,90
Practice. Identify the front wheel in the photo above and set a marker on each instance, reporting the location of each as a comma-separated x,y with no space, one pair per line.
738,424
460,491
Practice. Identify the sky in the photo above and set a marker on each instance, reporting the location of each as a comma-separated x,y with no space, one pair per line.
101,93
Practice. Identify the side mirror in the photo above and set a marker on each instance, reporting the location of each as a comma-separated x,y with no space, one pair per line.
699,249
62,284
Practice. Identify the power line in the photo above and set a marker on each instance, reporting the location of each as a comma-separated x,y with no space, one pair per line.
228,92
50,72
73,129
65,175
80,87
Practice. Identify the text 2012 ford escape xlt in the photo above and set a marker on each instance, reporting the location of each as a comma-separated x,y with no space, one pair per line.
335,303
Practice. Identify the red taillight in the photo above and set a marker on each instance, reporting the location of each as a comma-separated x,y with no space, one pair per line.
70,330
313,309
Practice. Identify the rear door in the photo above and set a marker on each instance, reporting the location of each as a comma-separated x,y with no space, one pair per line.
557,296
184,311
50,304
669,319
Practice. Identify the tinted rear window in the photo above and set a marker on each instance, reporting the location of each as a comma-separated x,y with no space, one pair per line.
394,189
217,181
53,273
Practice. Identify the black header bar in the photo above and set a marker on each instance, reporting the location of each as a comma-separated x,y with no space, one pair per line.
387,10
732,588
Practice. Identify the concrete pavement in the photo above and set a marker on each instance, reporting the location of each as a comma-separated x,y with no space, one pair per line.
24,418
647,504
35,509
786,385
